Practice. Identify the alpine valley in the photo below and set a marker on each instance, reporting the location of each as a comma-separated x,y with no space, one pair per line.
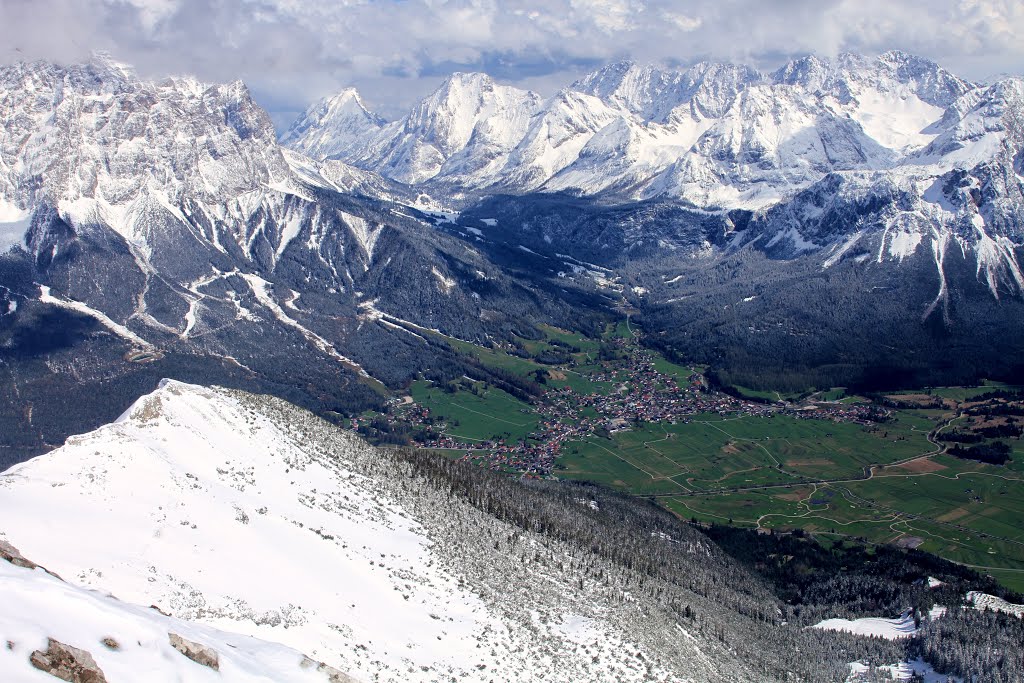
195,312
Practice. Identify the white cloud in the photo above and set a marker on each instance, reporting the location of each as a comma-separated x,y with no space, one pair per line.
152,12
291,51
684,22
610,16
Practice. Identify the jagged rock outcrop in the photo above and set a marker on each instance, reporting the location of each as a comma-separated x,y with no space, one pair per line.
67,663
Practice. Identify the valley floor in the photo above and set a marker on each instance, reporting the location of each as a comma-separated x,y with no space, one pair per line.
611,411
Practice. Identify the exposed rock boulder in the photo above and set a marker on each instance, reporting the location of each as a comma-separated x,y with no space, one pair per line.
197,652
67,663
11,554
333,675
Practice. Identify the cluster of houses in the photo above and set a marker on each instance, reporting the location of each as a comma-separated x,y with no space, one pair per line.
640,394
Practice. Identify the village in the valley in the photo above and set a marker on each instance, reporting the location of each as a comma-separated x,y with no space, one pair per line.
641,394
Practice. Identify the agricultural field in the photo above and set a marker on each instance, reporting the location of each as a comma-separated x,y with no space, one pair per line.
681,373
712,452
491,415
623,329
495,358
833,394
964,511
760,395
951,397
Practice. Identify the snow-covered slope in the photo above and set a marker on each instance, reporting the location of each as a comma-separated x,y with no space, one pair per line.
984,601
247,515
128,642
889,629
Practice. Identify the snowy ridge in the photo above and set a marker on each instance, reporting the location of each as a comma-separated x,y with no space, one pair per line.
250,516
985,601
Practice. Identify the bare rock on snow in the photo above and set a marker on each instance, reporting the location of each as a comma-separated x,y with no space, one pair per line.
67,663
197,652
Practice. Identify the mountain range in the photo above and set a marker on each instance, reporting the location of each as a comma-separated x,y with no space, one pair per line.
159,229
720,138
831,223
856,209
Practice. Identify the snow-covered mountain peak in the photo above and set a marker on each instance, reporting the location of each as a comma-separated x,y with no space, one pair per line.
462,129
95,135
465,85
348,99
850,75
908,67
980,124
652,92
333,123
448,118
644,90
713,86
606,80
109,71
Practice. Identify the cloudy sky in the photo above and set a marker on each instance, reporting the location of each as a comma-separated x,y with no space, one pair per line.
291,52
